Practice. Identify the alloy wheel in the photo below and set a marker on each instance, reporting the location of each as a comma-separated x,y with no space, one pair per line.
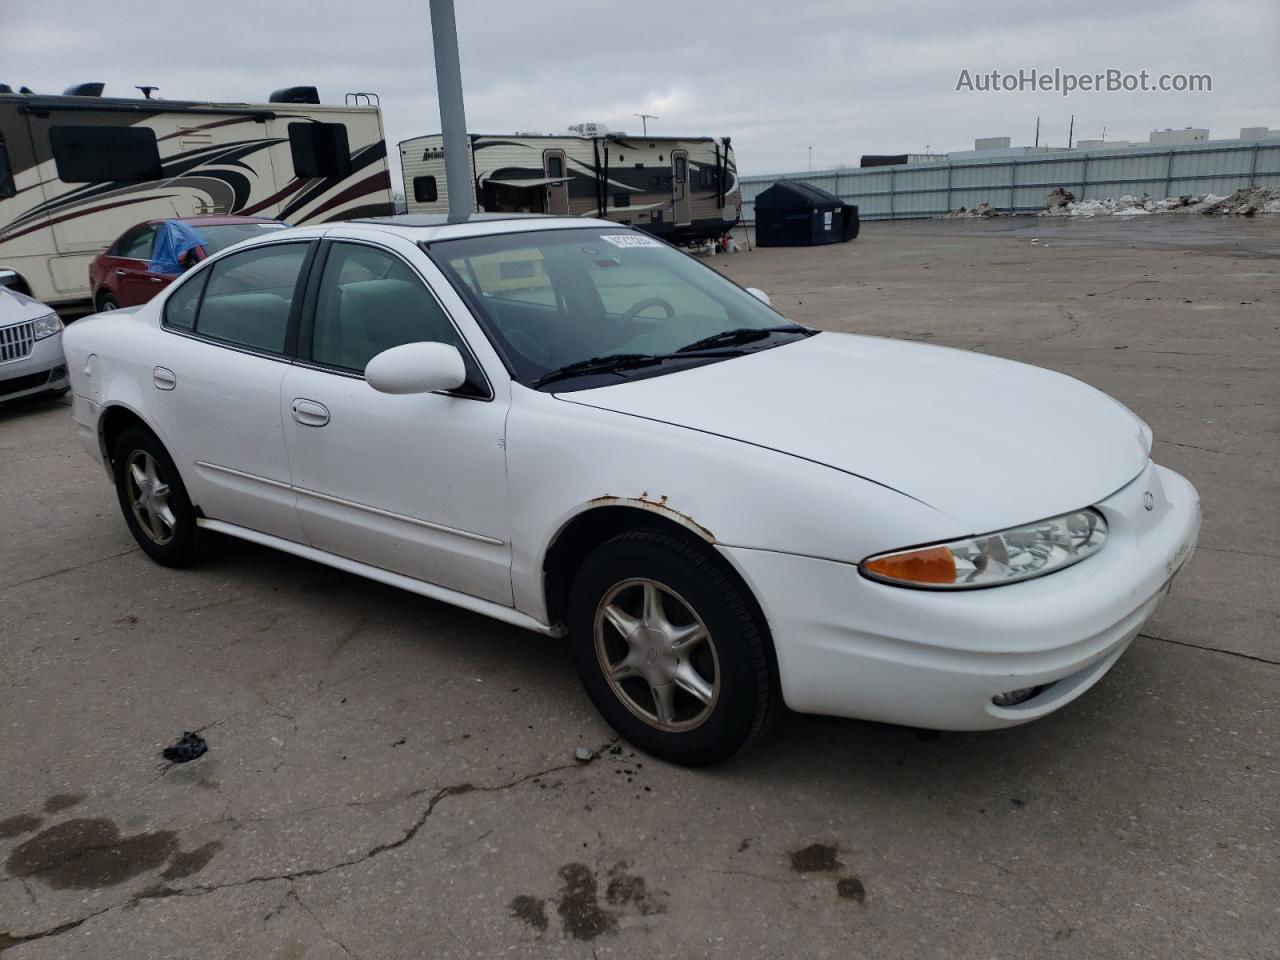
657,655
148,495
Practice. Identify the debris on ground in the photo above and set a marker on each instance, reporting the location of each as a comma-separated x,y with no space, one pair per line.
191,746
584,754
983,209
1059,197
1245,202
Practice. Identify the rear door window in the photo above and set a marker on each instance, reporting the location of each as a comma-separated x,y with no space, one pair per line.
138,246
249,296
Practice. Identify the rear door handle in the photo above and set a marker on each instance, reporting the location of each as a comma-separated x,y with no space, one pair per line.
119,273
309,413
164,378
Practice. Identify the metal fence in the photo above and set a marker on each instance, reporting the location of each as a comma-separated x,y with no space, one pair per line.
1018,184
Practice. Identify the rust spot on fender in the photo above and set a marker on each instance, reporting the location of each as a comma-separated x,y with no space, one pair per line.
658,505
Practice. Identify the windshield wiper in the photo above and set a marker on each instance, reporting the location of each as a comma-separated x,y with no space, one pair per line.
612,362
605,364
727,338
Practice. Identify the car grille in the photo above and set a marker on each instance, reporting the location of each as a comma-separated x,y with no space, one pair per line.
16,341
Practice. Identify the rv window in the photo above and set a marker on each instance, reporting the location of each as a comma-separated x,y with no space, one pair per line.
709,177
319,150
105,154
681,166
424,189
6,172
659,184
622,199
555,166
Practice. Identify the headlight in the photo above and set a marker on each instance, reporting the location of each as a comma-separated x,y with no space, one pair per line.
1018,553
47,326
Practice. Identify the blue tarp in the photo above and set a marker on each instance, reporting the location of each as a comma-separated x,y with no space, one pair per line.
173,239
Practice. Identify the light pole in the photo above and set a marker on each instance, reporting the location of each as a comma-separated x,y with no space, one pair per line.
811,159
644,121
453,120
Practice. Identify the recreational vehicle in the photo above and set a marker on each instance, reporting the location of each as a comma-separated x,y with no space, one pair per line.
78,170
683,189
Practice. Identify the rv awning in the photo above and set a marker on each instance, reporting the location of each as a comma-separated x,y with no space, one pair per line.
523,184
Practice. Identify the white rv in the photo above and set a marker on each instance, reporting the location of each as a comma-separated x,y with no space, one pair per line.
76,171
683,189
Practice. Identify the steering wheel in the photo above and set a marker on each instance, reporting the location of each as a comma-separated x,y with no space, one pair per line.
645,304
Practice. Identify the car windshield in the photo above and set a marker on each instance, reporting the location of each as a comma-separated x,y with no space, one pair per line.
551,299
219,236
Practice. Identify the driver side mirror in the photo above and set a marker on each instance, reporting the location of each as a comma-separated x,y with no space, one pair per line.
416,368
760,295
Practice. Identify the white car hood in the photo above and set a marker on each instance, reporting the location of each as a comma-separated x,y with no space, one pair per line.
991,443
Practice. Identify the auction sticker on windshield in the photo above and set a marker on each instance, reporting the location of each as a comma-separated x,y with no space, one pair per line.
630,240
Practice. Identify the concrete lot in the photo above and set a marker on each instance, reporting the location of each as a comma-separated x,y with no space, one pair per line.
393,778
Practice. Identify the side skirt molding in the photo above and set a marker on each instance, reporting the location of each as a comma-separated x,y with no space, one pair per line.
429,590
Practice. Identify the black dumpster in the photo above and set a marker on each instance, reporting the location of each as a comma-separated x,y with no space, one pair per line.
795,214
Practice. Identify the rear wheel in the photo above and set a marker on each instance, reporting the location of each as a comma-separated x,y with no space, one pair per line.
154,501
670,649
107,302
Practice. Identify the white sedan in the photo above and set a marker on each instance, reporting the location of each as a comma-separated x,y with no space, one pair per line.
572,427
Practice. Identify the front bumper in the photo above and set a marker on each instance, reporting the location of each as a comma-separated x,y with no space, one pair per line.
43,370
848,646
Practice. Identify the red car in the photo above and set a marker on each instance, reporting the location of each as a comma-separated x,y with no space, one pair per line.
122,276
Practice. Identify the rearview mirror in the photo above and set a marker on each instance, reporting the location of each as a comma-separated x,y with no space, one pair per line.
416,368
760,295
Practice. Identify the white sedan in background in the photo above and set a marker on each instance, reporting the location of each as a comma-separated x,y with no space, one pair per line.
572,427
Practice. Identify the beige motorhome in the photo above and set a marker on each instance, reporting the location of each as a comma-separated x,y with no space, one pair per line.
684,189
76,171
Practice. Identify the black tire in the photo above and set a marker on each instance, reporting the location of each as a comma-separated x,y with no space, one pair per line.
747,699
182,547
107,302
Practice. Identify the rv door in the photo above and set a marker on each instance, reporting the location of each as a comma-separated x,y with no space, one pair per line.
554,165
680,187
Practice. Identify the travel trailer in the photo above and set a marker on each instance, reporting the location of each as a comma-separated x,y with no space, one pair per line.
683,189
78,170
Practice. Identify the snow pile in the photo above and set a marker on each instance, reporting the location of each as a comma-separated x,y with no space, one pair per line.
1244,202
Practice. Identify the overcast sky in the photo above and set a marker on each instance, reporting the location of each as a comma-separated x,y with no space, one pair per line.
845,77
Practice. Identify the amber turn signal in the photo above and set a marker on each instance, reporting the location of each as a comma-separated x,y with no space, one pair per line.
931,565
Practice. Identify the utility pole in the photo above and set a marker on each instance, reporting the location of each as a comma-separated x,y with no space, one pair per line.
811,159
1071,131
644,121
1037,131
453,120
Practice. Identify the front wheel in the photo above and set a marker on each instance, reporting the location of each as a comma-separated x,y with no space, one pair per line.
670,649
154,501
107,302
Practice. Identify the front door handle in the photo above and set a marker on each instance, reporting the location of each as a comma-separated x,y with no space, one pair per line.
119,273
309,413
164,378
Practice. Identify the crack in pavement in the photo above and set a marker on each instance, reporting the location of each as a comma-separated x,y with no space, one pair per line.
56,573
293,892
160,893
1196,646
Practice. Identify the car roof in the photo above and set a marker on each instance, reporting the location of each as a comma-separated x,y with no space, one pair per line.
425,227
